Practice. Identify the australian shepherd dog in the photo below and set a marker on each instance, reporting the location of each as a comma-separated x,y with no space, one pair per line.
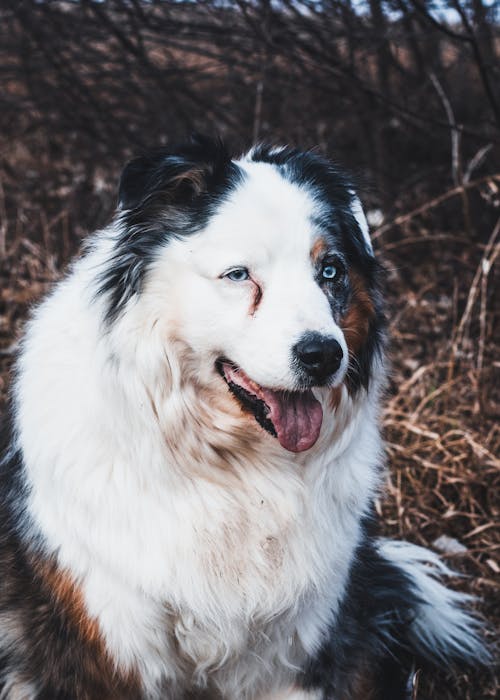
194,451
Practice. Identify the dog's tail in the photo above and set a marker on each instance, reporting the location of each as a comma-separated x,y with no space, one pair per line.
443,630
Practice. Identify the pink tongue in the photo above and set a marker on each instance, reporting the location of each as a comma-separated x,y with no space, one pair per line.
296,416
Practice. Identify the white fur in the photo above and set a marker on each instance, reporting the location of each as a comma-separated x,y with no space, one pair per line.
15,688
359,215
295,694
442,628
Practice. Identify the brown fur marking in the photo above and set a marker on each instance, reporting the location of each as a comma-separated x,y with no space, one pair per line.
194,178
318,250
334,398
257,296
65,591
54,646
356,323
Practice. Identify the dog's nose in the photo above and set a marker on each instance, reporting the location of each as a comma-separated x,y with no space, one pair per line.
318,355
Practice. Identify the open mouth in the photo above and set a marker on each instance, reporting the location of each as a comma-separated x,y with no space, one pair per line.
294,417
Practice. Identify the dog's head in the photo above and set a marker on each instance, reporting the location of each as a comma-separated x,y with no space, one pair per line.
262,267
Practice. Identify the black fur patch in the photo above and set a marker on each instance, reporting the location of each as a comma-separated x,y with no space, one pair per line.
171,192
370,652
13,490
370,636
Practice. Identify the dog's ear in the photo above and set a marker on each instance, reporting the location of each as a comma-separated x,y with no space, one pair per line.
159,174
359,215
174,175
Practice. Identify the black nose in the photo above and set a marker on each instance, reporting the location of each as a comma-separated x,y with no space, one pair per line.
318,355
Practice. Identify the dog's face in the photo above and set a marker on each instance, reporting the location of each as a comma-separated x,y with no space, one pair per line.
268,272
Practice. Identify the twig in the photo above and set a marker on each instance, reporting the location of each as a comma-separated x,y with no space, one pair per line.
476,161
455,134
480,62
486,265
3,222
432,204
474,287
489,256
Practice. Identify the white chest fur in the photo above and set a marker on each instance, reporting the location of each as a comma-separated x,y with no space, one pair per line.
240,583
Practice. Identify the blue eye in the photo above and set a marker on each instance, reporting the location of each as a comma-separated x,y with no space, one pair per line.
329,272
239,274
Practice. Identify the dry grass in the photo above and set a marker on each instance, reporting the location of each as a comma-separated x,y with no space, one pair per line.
441,417
443,404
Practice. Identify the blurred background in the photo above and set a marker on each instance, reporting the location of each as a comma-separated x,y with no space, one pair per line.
405,93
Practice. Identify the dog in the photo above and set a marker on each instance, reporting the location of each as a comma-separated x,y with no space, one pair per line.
193,454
